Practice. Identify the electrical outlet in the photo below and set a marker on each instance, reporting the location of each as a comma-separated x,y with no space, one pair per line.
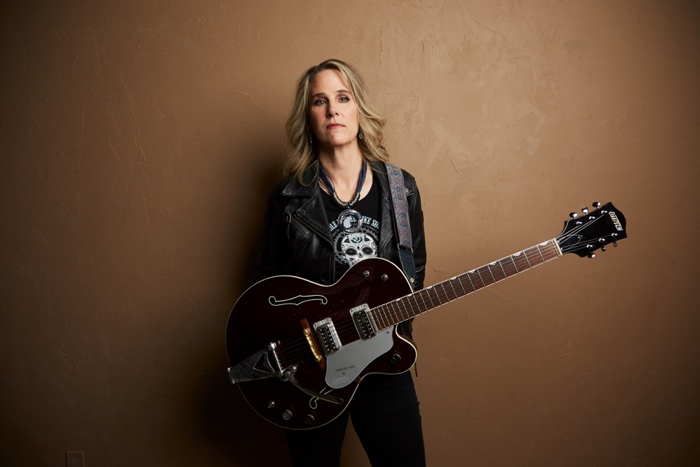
75,459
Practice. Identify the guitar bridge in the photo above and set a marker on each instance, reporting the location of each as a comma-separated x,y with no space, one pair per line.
315,351
327,335
364,321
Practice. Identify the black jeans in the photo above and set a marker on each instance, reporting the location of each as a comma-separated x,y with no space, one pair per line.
387,420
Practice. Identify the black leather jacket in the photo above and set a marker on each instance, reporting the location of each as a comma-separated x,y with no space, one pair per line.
297,239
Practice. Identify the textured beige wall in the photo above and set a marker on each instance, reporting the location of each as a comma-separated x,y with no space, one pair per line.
139,140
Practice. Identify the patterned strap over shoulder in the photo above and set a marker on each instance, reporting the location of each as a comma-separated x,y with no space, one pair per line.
403,224
398,197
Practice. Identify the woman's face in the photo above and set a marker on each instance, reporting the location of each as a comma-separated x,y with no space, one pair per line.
333,113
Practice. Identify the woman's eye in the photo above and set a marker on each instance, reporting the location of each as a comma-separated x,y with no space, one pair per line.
344,99
319,101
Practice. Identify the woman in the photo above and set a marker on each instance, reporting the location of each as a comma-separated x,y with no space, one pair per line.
333,211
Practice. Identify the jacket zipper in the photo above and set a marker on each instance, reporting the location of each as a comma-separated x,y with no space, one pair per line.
291,217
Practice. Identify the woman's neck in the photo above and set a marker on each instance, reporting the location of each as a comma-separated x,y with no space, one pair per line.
343,169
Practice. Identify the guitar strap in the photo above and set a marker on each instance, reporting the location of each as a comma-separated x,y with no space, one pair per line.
402,221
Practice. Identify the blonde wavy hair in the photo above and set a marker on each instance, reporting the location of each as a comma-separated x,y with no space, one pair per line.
300,137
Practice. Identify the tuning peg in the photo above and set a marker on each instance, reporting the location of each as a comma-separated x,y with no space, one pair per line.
573,215
584,210
614,236
596,204
590,254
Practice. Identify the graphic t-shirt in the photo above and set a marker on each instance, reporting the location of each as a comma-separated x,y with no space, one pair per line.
354,241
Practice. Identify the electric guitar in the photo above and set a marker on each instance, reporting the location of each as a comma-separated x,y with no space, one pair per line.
299,349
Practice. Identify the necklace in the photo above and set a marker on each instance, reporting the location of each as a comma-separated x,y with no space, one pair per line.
349,219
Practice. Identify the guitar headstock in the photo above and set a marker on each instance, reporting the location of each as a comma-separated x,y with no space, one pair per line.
589,231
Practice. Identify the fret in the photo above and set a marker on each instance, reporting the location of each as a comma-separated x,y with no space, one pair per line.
429,297
396,312
405,311
470,281
446,291
391,314
540,253
514,265
425,305
444,296
435,294
505,274
530,253
481,277
453,290
396,308
413,312
497,277
438,294
408,306
550,250
491,272
431,302
378,314
519,260
461,284
473,278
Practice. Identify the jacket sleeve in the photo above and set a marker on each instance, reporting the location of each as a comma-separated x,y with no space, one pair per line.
269,259
417,229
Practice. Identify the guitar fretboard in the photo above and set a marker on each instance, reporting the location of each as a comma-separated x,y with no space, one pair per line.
447,291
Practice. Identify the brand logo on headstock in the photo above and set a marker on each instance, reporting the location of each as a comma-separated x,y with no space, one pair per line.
616,221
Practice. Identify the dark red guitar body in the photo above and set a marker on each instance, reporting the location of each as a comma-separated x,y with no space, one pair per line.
274,311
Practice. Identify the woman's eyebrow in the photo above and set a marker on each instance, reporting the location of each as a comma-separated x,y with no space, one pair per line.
339,91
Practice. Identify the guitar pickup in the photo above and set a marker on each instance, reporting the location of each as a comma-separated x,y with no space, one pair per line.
364,321
327,335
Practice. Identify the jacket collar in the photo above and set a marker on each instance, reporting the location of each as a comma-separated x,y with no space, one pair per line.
309,187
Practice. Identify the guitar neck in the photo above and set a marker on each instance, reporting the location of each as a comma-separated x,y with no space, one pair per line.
447,291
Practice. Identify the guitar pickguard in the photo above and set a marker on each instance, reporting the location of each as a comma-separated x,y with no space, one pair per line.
348,362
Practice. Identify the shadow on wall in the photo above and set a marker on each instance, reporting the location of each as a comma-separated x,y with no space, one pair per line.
227,420
234,427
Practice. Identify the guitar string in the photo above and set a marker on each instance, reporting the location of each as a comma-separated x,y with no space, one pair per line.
403,309
386,314
575,231
396,311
